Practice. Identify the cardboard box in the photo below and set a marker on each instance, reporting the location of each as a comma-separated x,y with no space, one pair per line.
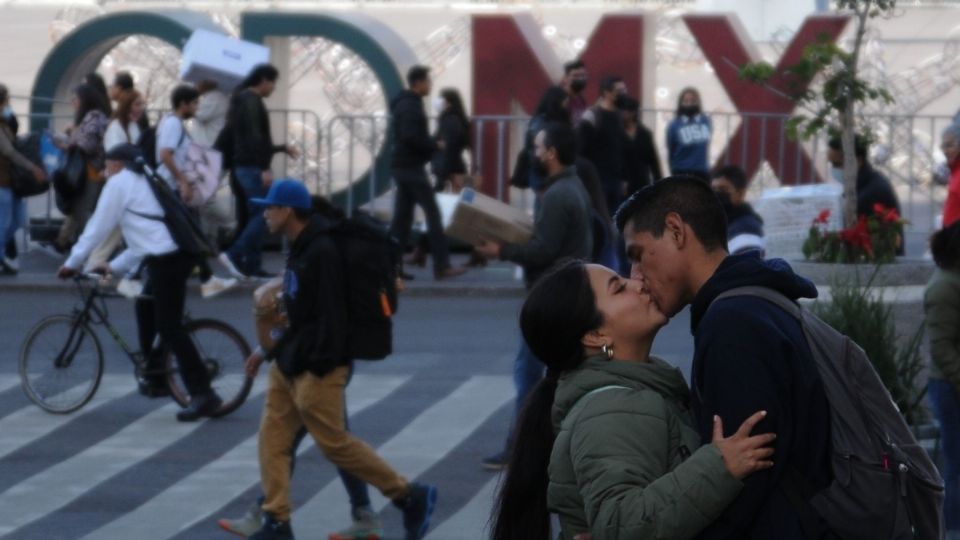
220,58
477,217
788,213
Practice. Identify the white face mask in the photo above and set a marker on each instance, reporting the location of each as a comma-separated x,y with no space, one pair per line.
439,104
837,174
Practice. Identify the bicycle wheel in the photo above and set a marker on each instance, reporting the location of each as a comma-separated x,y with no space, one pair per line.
61,364
224,352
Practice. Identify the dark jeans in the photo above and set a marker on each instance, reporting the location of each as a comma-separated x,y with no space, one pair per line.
946,408
246,251
356,488
162,312
414,189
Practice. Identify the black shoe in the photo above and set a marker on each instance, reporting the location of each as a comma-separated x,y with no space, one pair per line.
417,509
7,270
273,530
153,390
200,405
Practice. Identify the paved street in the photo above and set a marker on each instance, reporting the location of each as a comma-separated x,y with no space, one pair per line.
122,467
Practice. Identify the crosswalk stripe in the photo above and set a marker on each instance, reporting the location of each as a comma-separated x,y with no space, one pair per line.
198,495
60,484
30,422
422,442
8,381
463,524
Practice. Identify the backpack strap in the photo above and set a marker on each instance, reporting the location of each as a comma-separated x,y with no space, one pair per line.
770,295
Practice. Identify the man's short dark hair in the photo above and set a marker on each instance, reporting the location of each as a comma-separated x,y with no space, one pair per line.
608,82
417,74
573,65
561,137
183,94
689,197
260,73
860,146
734,174
123,80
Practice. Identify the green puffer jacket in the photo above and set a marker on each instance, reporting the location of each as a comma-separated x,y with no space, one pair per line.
627,462
942,305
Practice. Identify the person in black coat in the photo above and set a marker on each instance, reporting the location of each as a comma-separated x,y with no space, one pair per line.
641,165
744,225
453,128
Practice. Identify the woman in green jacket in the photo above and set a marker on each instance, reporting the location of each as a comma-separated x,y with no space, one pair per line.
942,305
625,460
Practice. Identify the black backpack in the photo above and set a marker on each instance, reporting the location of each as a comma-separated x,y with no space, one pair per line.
371,260
180,221
22,181
885,485
148,145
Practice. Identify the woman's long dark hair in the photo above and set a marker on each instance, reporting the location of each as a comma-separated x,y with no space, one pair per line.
551,105
90,100
94,80
125,108
453,99
559,310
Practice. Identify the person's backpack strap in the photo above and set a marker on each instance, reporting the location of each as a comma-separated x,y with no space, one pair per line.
767,294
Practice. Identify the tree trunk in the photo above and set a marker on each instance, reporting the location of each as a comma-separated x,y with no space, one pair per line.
848,122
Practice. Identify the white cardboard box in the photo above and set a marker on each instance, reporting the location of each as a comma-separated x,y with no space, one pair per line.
477,217
788,213
220,58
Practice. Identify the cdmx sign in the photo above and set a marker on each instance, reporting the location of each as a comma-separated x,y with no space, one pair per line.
511,62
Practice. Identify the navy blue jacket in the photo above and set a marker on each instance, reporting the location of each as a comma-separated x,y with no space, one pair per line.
688,143
751,355
412,144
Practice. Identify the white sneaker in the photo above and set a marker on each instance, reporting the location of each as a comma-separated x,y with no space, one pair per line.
216,285
13,264
232,268
246,525
130,288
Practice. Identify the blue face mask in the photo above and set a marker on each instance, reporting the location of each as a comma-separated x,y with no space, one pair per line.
837,174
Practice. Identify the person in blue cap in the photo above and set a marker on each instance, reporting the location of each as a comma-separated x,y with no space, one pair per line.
310,371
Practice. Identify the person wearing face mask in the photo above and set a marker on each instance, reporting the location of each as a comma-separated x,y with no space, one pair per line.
602,139
561,230
574,83
872,186
744,226
641,159
688,138
950,145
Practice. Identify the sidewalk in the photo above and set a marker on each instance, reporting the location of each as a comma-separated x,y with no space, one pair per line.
38,269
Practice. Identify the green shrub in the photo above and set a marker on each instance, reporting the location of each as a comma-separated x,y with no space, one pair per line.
863,316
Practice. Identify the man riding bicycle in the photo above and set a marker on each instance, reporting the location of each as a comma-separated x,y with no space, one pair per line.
128,201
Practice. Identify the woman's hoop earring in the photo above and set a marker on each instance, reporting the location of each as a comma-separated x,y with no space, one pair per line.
607,350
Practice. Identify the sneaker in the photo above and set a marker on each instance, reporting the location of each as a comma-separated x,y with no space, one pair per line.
417,509
246,525
216,285
366,526
12,262
130,288
496,462
200,405
273,530
228,263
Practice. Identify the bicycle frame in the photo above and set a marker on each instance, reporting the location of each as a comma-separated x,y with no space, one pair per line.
98,315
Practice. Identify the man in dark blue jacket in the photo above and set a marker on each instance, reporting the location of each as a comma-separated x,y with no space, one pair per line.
744,225
412,150
750,355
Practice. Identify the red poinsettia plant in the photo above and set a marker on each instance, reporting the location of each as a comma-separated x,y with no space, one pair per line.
873,239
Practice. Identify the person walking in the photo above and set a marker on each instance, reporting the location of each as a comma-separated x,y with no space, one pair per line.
413,147
603,139
310,370
641,165
253,151
128,201
688,137
562,229
942,306
453,128
12,208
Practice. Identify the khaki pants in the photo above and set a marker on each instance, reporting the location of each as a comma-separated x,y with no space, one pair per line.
317,404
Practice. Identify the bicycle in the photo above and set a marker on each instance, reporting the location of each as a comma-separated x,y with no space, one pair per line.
61,360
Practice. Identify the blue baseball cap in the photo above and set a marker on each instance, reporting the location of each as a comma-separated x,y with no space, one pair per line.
286,192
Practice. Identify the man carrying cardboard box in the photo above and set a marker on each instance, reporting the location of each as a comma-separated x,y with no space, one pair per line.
561,230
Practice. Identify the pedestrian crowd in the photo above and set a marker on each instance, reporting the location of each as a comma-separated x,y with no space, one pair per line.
609,439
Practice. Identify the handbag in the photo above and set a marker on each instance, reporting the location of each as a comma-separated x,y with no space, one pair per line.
22,182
